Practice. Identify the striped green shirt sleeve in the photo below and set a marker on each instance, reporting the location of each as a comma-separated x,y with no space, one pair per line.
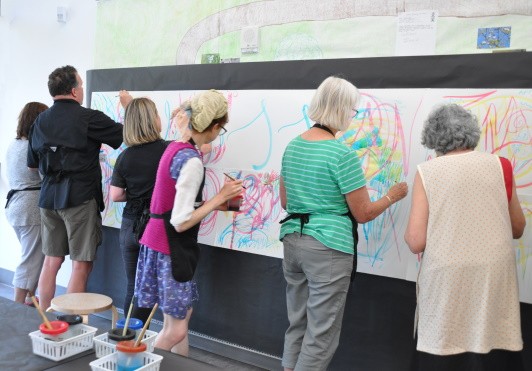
350,174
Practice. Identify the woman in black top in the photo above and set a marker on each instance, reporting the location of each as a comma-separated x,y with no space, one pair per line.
133,180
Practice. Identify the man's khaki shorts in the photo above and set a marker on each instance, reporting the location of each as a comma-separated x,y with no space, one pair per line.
75,231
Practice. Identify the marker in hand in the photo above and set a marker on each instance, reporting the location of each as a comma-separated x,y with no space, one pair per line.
231,178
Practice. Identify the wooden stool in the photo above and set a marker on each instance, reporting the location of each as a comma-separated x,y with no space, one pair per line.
83,303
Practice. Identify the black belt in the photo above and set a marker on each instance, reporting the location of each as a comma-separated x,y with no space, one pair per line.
12,192
303,219
161,216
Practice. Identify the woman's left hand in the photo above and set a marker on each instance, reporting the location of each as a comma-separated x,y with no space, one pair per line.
125,98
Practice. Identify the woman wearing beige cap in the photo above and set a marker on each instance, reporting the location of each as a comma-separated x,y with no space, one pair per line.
169,251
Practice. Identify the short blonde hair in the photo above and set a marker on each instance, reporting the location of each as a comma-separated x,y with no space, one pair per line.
140,122
333,103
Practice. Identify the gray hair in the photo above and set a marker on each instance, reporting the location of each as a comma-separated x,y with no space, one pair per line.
450,127
333,102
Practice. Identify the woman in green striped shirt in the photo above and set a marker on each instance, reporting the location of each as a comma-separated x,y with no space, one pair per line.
323,189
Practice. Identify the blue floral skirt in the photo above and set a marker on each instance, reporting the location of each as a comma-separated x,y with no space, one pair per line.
155,284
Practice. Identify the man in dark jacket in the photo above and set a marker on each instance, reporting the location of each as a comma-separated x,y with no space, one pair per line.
64,144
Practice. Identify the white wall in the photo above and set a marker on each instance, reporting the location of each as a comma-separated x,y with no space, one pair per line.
32,44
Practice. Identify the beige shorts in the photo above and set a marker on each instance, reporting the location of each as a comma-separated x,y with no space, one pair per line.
75,231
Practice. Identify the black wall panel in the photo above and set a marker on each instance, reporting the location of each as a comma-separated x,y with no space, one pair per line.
242,295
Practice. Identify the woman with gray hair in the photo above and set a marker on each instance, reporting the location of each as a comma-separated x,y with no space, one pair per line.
323,189
463,219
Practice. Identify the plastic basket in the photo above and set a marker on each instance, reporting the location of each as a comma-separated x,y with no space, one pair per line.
152,362
103,347
80,341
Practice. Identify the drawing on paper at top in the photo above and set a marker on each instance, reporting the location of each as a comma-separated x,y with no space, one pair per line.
494,37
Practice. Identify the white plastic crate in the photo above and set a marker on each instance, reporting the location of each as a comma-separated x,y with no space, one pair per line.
151,361
80,341
103,347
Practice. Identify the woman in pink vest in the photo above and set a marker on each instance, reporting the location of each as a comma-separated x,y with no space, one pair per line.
169,250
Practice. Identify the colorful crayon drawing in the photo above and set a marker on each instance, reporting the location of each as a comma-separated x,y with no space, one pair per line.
385,133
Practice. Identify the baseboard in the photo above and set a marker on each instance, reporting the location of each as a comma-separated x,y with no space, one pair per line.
6,276
226,349
234,351
220,347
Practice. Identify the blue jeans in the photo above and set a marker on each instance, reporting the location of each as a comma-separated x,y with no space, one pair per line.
130,253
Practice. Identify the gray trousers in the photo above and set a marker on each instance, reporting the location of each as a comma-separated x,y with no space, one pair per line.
317,280
28,271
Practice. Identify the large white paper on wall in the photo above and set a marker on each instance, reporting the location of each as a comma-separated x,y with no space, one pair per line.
385,134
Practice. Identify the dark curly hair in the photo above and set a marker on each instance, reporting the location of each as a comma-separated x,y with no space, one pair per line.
62,81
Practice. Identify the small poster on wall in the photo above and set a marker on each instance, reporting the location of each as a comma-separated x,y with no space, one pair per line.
494,37
416,33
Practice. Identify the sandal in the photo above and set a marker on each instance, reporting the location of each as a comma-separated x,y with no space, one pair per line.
30,303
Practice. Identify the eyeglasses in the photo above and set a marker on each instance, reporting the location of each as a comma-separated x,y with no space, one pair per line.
222,130
354,112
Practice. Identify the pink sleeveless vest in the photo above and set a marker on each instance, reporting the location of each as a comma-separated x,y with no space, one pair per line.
162,200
